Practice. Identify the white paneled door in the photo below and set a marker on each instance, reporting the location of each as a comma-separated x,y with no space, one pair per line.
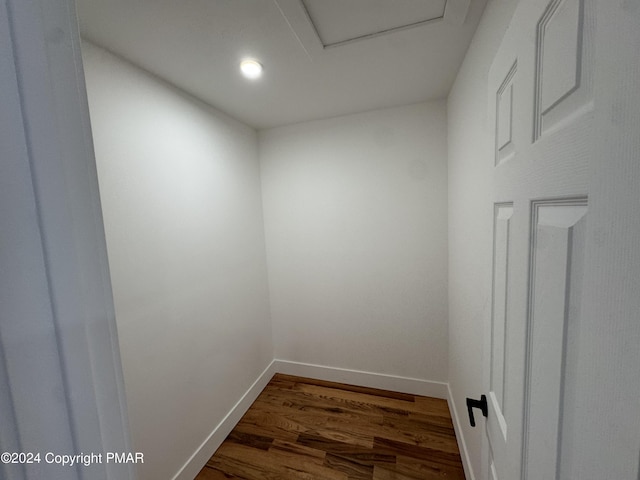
562,342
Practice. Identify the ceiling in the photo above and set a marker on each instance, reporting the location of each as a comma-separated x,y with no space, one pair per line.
321,58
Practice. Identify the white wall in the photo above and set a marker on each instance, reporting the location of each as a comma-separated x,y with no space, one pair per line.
180,190
356,226
471,217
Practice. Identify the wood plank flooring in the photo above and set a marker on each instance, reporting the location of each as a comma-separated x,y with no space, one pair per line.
299,428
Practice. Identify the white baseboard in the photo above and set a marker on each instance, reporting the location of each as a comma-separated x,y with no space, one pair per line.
191,468
462,446
413,386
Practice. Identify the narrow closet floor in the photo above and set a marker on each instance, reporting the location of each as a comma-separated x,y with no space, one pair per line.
299,428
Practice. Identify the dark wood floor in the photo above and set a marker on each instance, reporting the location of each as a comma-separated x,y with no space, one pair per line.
300,428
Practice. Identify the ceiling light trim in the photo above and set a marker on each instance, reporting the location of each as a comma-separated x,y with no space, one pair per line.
251,68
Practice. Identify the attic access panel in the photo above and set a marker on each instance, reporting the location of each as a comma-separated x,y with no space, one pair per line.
320,25
337,22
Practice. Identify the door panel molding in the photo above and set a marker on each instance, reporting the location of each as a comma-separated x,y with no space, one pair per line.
555,270
559,66
505,148
499,311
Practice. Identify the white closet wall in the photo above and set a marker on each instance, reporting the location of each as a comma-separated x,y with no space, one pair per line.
180,192
356,229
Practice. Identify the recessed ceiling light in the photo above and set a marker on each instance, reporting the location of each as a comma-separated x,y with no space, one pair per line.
251,68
